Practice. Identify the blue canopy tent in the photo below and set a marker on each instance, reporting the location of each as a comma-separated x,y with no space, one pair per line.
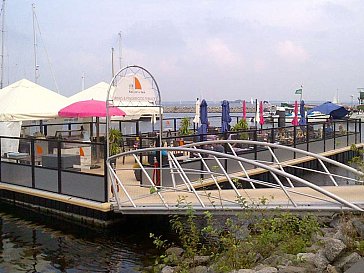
302,113
332,109
225,116
202,130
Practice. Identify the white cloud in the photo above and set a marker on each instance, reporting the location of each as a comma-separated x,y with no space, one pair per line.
209,52
292,52
220,52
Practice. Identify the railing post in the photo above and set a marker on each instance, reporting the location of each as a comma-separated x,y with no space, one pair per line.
347,132
272,139
226,146
91,130
255,146
307,136
0,158
174,124
334,132
324,135
141,147
137,127
294,140
41,126
32,160
59,165
106,174
69,128
359,130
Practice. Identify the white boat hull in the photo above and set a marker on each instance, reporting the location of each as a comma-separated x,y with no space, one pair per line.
357,115
313,118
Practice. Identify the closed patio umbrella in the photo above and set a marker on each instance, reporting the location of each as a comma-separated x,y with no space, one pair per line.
256,118
196,119
225,116
202,130
302,113
295,118
244,109
261,116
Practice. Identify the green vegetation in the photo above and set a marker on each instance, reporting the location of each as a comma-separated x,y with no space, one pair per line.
360,247
115,139
242,125
239,241
357,161
184,126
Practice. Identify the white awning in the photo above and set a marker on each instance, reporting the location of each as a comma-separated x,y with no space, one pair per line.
25,100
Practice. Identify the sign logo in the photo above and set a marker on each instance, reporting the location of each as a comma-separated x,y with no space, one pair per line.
135,87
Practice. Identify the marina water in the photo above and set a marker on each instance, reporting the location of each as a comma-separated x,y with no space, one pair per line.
34,243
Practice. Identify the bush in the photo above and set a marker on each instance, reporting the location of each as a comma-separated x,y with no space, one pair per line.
287,233
242,125
231,247
184,126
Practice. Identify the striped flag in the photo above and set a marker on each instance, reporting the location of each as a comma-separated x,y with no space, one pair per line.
298,91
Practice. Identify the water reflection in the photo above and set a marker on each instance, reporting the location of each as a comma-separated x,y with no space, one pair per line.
28,246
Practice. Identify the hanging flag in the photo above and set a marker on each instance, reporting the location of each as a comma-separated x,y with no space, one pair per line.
298,91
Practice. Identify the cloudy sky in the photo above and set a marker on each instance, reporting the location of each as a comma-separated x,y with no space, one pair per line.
214,49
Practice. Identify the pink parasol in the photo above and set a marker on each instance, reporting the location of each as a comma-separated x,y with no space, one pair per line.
261,117
244,110
295,118
89,108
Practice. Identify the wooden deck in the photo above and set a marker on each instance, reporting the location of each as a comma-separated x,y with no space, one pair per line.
252,198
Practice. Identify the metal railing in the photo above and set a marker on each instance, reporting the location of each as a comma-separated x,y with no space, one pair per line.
200,176
55,165
55,178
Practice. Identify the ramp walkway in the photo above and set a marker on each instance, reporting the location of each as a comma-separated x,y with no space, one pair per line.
200,176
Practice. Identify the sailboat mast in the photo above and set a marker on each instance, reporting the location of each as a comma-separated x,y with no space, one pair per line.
83,81
36,67
120,52
2,43
112,62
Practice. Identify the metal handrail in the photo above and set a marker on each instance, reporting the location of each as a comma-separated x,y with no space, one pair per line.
275,170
